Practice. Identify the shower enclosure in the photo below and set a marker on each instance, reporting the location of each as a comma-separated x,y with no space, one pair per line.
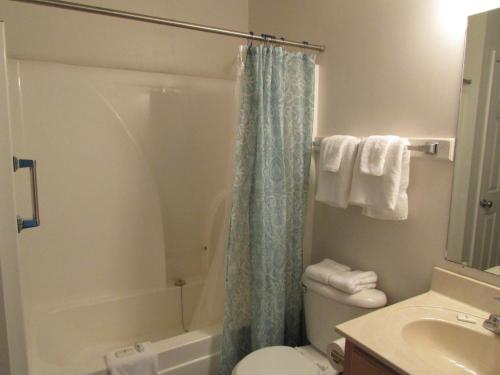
133,182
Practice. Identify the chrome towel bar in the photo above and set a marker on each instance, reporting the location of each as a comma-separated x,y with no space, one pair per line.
429,148
439,148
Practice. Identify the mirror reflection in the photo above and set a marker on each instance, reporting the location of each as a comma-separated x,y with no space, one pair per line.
474,231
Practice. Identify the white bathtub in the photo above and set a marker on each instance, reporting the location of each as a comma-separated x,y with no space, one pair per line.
73,340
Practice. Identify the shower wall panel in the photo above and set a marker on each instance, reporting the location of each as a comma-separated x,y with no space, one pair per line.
131,168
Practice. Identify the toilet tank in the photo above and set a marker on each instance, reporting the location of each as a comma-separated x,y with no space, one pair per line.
326,307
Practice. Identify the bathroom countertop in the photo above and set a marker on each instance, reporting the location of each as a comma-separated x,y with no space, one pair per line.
380,334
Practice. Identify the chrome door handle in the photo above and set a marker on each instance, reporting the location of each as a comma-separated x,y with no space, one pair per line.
484,203
35,220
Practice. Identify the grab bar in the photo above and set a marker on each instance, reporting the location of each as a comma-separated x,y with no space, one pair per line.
35,221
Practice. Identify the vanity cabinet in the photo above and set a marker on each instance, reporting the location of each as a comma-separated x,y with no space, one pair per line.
359,362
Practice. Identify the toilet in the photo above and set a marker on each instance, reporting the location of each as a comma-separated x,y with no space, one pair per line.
325,307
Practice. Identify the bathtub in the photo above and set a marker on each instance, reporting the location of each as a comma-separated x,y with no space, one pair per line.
73,340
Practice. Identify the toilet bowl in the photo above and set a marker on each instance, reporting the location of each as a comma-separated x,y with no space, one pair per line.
325,308
275,360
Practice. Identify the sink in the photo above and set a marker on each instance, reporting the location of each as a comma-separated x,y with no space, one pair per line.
442,337
439,332
454,348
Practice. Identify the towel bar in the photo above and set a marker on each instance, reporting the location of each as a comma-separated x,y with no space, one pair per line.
439,148
429,148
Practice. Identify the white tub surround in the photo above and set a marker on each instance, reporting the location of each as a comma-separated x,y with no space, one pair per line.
128,206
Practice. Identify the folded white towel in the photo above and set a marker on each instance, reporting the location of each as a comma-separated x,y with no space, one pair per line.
139,360
380,192
321,271
400,212
333,187
353,281
374,154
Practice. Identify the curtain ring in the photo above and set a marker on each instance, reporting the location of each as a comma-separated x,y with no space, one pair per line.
250,40
268,39
305,44
265,41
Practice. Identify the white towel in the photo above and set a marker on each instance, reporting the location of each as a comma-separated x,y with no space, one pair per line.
353,281
133,362
400,212
332,149
321,271
333,187
380,192
374,154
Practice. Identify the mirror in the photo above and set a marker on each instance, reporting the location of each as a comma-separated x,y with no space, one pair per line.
474,229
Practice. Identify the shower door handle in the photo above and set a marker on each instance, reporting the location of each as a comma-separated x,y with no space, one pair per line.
35,220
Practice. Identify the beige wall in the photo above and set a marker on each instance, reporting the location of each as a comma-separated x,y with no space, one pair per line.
49,34
390,66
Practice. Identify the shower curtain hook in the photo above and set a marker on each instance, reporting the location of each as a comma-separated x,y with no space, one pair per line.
268,39
250,40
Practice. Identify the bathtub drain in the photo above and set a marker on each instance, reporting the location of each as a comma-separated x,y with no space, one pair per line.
180,283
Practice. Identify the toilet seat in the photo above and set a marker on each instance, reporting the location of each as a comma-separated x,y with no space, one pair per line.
275,360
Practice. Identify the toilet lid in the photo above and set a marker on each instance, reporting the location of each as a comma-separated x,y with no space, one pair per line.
275,360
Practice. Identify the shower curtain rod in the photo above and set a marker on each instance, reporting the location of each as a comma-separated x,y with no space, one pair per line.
169,22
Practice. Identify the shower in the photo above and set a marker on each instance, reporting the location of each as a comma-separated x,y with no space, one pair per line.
123,191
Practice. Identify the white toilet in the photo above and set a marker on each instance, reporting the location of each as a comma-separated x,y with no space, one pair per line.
325,307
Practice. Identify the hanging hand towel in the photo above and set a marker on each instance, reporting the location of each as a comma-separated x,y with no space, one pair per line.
333,187
374,154
321,271
138,360
332,149
353,281
380,192
400,212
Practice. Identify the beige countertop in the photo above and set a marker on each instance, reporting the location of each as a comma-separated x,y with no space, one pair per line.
382,333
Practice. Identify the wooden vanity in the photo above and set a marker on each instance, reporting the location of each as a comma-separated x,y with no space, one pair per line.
358,362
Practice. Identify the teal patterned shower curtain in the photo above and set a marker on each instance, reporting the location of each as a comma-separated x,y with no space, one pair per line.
273,152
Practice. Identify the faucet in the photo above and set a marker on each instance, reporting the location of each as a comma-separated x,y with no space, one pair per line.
493,323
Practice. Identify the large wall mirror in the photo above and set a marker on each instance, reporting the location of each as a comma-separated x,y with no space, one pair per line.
474,231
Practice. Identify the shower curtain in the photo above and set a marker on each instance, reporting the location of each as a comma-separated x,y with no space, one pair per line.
273,152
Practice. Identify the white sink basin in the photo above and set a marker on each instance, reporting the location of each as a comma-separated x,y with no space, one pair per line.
436,333
454,348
